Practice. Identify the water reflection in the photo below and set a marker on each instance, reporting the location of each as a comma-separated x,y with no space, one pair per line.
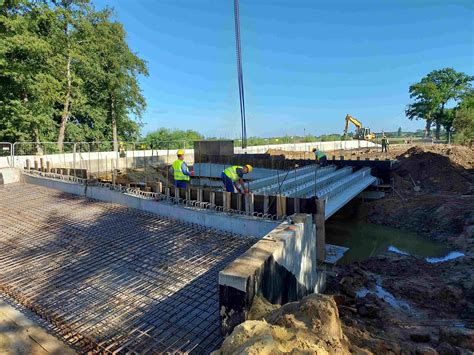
365,240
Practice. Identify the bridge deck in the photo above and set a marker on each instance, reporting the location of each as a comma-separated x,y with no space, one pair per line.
109,278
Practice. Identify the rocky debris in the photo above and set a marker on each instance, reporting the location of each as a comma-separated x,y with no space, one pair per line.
310,326
447,349
458,336
420,336
425,350
369,310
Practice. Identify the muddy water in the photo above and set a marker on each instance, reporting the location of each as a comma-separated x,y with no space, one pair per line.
365,240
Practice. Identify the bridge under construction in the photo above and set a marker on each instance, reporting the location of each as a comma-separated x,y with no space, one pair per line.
122,269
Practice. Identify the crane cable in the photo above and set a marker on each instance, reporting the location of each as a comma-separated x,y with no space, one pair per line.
240,76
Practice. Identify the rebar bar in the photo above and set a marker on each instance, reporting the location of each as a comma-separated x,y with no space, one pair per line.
111,279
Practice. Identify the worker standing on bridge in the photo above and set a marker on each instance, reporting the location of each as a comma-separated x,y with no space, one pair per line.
320,156
232,178
384,143
180,171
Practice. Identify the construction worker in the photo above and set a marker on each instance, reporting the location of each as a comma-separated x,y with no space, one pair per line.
321,158
232,178
384,143
180,171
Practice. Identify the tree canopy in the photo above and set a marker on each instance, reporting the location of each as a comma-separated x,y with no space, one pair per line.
463,121
432,95
66,74
165,138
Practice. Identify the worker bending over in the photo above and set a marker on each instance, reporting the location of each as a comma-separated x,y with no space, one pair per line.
232,178
321,158
180,171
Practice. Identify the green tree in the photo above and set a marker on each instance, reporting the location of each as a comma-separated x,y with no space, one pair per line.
67,17
26,84
433,93
463,122
165,138
399,132
117,76
66,73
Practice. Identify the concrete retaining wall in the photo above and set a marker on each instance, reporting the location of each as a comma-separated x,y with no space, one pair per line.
307,147
9,176
99,161
247,225
281,267
68,160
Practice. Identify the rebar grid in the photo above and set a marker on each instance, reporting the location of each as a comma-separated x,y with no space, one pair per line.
112,279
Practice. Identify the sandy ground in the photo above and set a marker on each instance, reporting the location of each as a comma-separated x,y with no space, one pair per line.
20,335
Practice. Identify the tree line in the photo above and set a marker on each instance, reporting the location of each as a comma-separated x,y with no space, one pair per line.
66,74
432,97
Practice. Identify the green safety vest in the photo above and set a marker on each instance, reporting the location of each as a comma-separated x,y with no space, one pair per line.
178,173
231,172
320,154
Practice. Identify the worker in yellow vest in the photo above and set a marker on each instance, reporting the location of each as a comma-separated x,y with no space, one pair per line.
232,178
180,171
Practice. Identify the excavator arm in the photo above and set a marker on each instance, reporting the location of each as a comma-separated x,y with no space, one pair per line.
361,132
354,121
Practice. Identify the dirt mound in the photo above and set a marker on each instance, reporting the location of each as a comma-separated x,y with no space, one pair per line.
433,172
310,326
289,154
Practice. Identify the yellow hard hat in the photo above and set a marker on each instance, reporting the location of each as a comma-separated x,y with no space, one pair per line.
180,152
249,168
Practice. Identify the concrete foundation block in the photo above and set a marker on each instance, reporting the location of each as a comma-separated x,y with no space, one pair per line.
9,176
281,267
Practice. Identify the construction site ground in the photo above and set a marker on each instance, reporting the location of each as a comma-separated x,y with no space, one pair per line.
459,155
109,278
393,303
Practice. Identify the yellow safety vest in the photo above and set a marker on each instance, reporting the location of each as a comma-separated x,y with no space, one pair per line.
178,173
231,172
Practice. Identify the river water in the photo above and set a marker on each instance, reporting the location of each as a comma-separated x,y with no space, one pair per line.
365,240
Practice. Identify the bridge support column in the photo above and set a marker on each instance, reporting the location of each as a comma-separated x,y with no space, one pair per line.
319,220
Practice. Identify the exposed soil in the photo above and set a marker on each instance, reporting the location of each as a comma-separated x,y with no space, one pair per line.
459,155
393,303
435,310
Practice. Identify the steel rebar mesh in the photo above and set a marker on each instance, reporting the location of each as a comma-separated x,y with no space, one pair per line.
113,279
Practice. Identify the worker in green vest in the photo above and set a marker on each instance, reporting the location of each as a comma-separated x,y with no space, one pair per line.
384,143
180,171
321,158
232,177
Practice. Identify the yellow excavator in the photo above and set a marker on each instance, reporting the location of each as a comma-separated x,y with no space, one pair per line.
361,132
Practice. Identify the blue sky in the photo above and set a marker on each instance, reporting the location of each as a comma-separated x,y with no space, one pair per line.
306,63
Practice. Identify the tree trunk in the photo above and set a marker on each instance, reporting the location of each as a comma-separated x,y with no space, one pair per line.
34,128
439,118
67,101
438,129
67,98
113,117
38,147
428,129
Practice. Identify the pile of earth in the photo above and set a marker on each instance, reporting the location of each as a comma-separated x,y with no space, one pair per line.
434,196
290,154
434,172
310,326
